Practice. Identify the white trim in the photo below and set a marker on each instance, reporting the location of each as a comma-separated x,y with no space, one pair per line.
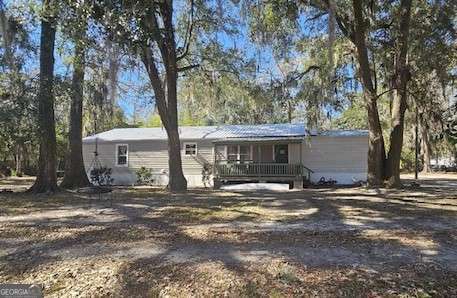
117,153
190,143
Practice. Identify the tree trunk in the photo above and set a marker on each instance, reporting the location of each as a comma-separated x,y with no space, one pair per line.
26,159
376,150
177,181
399,105
166,102
7,39
113,73
46,181
396,140
426,147
18,159
165,90
75,174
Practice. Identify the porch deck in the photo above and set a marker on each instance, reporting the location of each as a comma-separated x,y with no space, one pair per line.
261,171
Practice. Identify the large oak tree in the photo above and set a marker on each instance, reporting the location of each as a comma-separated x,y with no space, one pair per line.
46,180
75,173
148,29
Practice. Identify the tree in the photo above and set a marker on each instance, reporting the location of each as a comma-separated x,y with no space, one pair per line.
149,28
354,25
373,28
432,71
376,150
378,32
162,37
399,104
223,90
46,180
75,175
17,90
165,89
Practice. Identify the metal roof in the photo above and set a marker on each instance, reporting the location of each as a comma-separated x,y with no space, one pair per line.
293,139
219,132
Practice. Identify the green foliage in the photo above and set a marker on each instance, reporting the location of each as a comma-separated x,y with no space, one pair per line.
274,23
226,98
232,85
17,86
144,176
186,119
154,121
451,130
354,117
407,160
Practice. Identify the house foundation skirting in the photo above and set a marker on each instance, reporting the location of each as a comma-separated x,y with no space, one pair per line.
295,182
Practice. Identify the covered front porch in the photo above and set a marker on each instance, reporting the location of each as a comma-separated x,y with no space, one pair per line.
261,160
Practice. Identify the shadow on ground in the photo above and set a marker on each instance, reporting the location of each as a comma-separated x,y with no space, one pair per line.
341,241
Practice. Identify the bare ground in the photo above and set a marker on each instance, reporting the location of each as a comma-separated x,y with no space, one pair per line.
316,242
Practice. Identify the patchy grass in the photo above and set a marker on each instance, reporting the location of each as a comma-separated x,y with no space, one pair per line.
287,274
145,242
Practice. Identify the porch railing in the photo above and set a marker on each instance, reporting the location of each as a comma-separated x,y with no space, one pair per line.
252,169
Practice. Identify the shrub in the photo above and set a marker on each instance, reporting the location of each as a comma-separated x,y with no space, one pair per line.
101,176
5,170
144,176
207,171
407,160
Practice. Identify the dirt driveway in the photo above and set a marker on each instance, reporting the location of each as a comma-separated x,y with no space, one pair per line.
316,242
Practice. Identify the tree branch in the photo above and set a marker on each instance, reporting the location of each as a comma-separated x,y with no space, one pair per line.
157,35
189,30
156,82
385,92
188,67
343,24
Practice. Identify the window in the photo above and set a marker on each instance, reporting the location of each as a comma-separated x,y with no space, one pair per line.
232,152
240,153
122,155
245,153
190,148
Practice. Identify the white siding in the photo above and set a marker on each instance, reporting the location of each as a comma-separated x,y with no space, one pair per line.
294,153
341,158
152,155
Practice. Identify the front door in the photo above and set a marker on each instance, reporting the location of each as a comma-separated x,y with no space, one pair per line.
282,153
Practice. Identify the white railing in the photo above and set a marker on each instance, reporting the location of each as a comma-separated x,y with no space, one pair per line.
252,169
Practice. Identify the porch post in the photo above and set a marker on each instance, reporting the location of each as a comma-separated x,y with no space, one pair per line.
298,183
216,182
214,158
259,160
302,169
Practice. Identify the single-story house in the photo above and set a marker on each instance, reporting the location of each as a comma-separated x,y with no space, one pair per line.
267,152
